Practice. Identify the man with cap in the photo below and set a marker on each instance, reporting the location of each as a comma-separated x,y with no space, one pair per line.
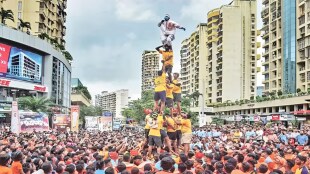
168,28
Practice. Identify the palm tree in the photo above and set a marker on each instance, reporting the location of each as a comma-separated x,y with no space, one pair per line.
35,104
6,14
23,24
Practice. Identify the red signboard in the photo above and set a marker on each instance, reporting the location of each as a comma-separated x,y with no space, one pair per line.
40,88
301,112
275,117
4,57
4,82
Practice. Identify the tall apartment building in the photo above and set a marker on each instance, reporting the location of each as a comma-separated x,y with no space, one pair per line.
114,102
279,34
303,44
231,58
150,66
45,16
194,62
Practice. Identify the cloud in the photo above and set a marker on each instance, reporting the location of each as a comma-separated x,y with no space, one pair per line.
134,10
198,9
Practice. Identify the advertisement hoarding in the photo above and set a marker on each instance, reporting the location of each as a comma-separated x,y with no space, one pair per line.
15,120
16,63
91,123
62,122
75,115
105,123
33,121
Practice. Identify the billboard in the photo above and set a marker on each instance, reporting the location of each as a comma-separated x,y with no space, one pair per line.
61,122
15,120
33,121
16,63
91,123
105,123
75,115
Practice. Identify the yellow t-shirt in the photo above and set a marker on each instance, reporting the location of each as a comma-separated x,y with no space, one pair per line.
299,170
176,89
186,126
169,91
160,83
179,118
155,131
160,120
170,121
147,126
166,55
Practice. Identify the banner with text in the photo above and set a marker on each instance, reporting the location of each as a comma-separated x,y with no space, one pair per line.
33,121
15,120
62,122
91,123
75,115
105,123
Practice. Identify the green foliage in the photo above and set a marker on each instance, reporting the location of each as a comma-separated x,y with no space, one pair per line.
55,43
217,121
24,24
280,93
298,90
35,104
84,90
6,15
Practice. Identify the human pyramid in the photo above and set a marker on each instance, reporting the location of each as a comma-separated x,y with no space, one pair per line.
173,128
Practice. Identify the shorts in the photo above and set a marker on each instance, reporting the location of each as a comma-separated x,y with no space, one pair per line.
177,97
160,96
179,134
186,138
169,102
146,132
172,135
163,133
155,141
168,69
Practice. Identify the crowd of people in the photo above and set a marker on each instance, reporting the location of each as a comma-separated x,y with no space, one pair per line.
212,149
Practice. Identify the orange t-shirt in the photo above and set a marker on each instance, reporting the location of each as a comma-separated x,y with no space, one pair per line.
295,168
5,170
16,167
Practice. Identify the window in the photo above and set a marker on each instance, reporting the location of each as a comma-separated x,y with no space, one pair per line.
19,15
20,5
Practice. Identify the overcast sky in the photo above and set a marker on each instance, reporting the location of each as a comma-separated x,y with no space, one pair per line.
107,37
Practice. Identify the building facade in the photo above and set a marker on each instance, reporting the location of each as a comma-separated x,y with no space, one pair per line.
113,102
237,47
78,96
225,68
44,16
194,63
150,67
32,67
303,45
286,34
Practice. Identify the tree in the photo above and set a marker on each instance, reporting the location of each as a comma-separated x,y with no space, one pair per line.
23,24
195,96
298,90
6,15
280,93
35,104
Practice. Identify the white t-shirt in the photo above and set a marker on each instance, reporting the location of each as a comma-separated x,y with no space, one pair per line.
169,27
